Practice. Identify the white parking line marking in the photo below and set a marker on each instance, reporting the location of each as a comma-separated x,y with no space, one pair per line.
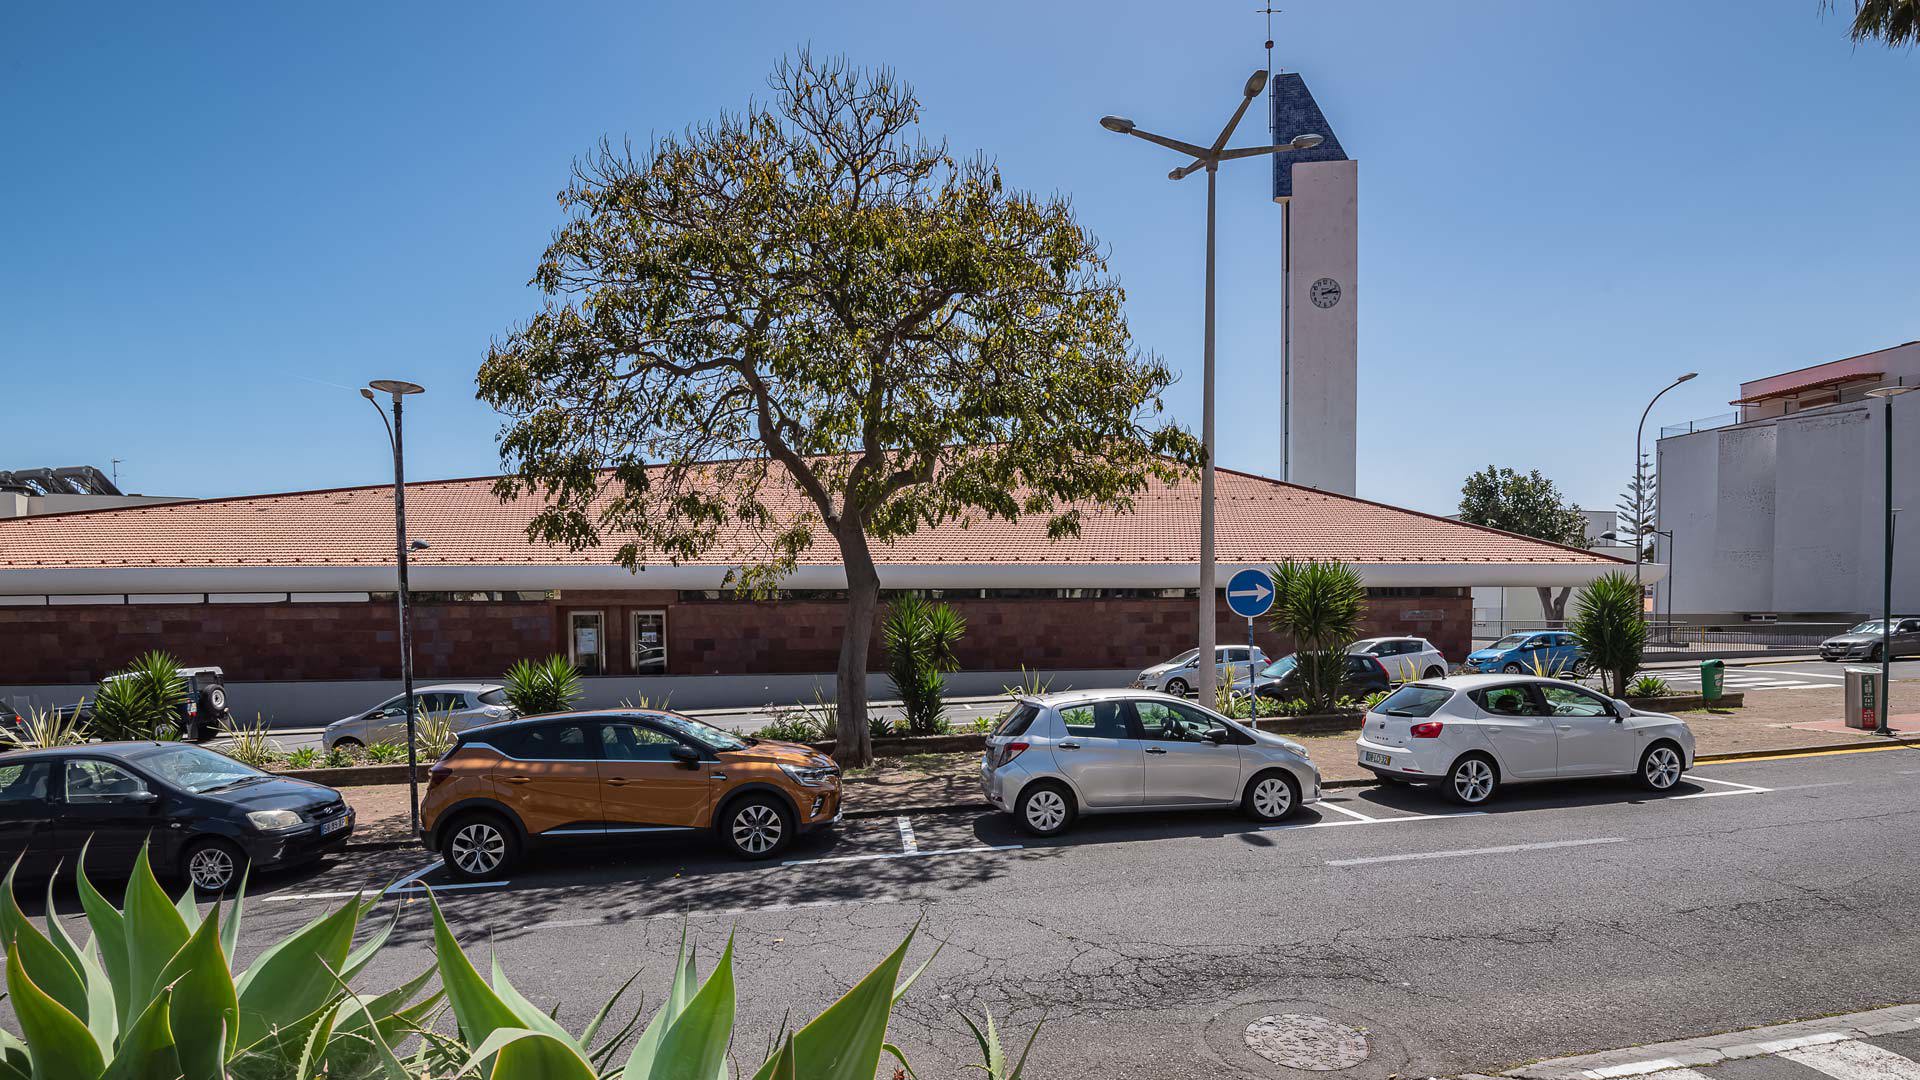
1411,856
902,855
1855,1060
908,845
1728,783
1776,1046
415,876
272,897
1372,821
447,888
1632,1068
1337,808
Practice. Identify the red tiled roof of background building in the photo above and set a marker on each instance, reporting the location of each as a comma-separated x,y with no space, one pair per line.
1259,520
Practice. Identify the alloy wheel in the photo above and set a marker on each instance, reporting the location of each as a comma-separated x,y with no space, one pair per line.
1473,780
1663,768
1046,810
478,848
757,828
211,868
1272,797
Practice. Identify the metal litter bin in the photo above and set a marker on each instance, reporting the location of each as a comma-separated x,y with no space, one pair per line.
1712,678
1863,697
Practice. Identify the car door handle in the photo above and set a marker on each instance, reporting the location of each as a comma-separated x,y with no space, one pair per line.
617,781
517,779
1069,746
1155,750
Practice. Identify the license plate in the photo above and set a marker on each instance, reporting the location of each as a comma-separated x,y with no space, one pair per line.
1372,758
334,826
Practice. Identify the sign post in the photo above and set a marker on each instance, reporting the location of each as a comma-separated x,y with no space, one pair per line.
1250,595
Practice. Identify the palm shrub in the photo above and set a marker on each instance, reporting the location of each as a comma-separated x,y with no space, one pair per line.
1320,606
543,686
1611,627
141,701
154,992
250,744
919,639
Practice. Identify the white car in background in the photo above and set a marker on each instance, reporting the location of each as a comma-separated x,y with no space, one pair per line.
1471,734
1181,674
467,705
1405,658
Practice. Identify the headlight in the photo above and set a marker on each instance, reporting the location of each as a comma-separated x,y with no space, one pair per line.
810,777
273,820
1294,746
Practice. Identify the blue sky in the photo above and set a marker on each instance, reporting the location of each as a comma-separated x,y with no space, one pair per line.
221,218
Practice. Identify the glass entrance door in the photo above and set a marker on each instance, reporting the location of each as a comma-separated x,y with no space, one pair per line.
649,643
587,641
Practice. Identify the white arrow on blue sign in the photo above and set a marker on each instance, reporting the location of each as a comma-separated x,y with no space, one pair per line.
1250,593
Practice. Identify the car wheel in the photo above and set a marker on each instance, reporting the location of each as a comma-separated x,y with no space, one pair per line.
1434,672
1582,667
479,847
347,743
1045,809
756,827
1473,780
1177,687
213,865
1271,796
1511,668
1661,767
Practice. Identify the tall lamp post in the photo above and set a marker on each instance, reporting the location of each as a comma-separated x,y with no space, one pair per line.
1887,393
1209,158
1639,499
399,390
1668,533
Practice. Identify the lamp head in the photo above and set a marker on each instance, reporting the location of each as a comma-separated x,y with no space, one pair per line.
418,545
1116,123
1891,391
366,393
1306,142
1610,536
1256,82
1688,376
397,387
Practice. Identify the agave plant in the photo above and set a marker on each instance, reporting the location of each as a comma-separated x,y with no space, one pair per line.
433,735
994,1056
544,686
154,993
49,727
250,744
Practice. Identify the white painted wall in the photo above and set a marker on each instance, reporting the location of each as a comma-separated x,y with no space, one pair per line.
1323,244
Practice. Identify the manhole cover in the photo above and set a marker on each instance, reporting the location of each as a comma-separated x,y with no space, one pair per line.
1298,1041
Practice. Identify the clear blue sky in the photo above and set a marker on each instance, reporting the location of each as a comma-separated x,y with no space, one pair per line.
214,211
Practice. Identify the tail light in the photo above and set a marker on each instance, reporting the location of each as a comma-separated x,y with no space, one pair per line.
999,756
1428,730
193,708
437,775
1381,668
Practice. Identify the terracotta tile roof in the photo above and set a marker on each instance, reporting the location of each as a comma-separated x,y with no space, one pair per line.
1260,520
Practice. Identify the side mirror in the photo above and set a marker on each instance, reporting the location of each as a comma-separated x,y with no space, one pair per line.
142,797
1621,710
686,755
1218,736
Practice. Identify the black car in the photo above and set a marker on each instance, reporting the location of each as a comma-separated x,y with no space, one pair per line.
1280,680
205,815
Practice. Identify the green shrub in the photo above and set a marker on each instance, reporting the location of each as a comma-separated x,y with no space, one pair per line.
794,727
1649,686
1320,606
1373,700
145,698
306,757
1030,685
49,727
388,753
1611,627
993,1063
879,727
433,735
981,725
919,638
250,744
337,758
544,686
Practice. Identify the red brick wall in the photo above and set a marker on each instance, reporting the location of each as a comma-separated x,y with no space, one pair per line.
358,641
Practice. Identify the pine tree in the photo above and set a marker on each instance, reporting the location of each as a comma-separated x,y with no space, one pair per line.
1639,509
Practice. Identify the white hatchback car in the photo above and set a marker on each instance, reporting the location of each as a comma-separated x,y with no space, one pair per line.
1054,757
1180,675
1472,733
1405,658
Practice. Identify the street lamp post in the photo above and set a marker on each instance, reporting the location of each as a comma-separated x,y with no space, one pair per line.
1887,394
1639,498
1209,158
1672,561
400,390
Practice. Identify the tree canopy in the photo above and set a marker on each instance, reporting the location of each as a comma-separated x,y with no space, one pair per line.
806,317
1896,22
1531,506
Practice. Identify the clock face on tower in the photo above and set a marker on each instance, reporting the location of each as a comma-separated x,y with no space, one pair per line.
1324,292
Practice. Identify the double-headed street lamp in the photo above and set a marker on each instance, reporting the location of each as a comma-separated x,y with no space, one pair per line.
1639,499
1887,393
1209,158
399,390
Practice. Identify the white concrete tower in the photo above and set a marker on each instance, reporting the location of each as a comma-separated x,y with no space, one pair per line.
1318,193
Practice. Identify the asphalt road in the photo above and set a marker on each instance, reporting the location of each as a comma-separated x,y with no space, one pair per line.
1566,919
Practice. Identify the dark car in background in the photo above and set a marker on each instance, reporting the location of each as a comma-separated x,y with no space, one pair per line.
202,715
1863,642
205,815
1280,680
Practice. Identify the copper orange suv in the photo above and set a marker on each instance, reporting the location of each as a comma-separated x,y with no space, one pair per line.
608,776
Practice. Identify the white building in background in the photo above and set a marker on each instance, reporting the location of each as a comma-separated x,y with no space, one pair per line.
1777,510
1498,610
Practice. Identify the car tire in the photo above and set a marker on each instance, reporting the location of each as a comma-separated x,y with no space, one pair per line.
1511,668
756,826
1661,767
1177,687
347,742
1582,668
212,865
1435,672
479,846
1045,808
1473,780
1271,796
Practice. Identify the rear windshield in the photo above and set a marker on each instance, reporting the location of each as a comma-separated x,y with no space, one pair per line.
1414,699
1017,720
496,696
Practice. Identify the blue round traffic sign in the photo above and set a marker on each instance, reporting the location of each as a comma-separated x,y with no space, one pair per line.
1250,593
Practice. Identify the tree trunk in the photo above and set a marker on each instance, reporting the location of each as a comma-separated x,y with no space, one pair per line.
1552,606
853,744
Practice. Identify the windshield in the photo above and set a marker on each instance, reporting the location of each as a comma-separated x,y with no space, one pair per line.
195,769
1414,700
1278,669
717,738
1184,657
1511,641
1870,627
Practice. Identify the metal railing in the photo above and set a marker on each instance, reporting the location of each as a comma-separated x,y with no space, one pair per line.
1688,637
1704,424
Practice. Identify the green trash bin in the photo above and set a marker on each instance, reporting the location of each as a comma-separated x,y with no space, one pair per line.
1712,672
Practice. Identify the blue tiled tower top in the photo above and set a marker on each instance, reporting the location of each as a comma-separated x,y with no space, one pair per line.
1294,112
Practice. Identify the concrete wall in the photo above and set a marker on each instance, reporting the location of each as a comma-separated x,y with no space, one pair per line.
1323,245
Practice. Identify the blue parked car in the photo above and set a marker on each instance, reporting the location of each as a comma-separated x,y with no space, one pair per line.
1549,652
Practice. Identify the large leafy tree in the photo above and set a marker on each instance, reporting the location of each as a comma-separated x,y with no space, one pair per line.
1896,22
1531,506
805,318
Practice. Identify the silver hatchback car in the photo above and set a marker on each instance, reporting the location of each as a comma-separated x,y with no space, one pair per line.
1054,757
465,705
